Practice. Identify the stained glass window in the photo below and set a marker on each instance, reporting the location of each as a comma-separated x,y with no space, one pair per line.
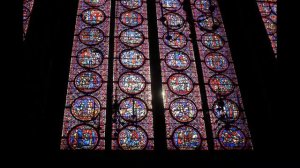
132,120
228,119
27,9
85,108
185,129
268,11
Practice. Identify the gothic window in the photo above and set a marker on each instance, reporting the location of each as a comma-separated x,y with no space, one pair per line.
185,129
85,109
120,74
268,11
133,118
227,115
27,9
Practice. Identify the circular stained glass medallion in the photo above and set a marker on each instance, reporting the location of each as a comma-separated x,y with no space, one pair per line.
173,21
26,13
274,7
186,138
133,138
208,23
270,26
132,59
226,110
88,81
232,138
91,36
216,62
212,41
264,8
132,4
175,40
93,16
180,84
133,109
177,60
89,57
203,5
131,18
132,83
221,84
95,3
171,5
83,137
132,37
183,110
85,108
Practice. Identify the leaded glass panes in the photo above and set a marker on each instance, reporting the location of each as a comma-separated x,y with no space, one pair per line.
90,57
232,138
27,9
131,37
186,138
185,129
85,108
91,36
226,111
132,127
83,137
93,16
268,11
131,18
133,138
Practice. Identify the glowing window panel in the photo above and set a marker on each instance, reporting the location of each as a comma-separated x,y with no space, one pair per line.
268,11
132,4
212,41
232,138
185,127
203,5
132,138
221,84
132,59
208,23
177,60
26,13
93,16
84,120
27,9
264,8
175,40
171,5
95,3
90,57
270,26
133,109
186,138
226,110
183,110
131,18
180,84
216,62
88,81
83,137
224,99
132,127
173,21
132,37
132,83
85,108
91,36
